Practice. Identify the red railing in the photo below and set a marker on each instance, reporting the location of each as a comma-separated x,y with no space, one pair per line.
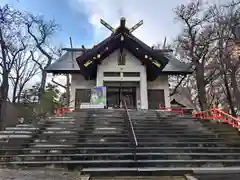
174,110
62,111
218,115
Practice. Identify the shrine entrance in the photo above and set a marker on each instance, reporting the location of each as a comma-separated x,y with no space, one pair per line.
118,93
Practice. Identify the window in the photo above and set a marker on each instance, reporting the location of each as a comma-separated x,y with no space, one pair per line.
122,59
111,74
131,74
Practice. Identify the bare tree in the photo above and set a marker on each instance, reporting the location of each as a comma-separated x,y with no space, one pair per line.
41,32
205,42
12,42
24,69
195,41
225,18
66,86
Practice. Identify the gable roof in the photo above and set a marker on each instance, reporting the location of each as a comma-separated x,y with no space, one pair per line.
66,65
176,66
85,61
183,97
122,39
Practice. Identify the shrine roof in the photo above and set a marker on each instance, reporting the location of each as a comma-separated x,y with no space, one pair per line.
85,61
66,64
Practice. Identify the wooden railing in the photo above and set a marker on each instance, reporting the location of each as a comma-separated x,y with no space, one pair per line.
218,115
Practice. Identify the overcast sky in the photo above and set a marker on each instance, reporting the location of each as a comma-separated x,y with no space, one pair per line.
81,18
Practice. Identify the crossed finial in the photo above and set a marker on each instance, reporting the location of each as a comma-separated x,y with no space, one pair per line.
122,24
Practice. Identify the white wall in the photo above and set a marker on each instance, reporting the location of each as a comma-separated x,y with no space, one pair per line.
78,82
110,64
161,83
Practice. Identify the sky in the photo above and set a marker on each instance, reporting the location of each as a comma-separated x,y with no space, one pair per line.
80,19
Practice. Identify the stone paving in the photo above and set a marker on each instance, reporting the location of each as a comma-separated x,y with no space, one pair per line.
9,174
60,174
12,174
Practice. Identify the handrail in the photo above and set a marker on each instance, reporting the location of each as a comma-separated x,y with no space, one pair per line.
218,115
131,124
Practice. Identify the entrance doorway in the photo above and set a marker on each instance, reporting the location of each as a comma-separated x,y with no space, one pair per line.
117,95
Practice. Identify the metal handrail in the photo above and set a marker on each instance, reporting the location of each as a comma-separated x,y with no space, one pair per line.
131,124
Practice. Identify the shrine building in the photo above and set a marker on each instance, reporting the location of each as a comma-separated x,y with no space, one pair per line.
123,64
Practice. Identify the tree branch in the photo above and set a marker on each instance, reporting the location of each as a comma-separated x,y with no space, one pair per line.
38,63
63,86
178,85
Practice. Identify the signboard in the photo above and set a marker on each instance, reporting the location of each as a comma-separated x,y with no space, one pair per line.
98,95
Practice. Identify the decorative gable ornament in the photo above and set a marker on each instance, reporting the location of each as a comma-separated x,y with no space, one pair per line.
122,38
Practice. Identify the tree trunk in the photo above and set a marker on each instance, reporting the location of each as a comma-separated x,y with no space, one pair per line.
201,87
229,96
18,98
68,90
43,83
15,90
235,88
4,98
4,86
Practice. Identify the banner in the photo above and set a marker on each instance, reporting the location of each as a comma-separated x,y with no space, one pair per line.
98,95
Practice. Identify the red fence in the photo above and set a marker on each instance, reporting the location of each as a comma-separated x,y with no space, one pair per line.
218,115
62,111
179,111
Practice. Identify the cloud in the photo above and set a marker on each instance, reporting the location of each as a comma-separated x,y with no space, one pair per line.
158,17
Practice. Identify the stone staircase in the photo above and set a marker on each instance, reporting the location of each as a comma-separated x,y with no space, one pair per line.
101,142
180,143
222,129
140,178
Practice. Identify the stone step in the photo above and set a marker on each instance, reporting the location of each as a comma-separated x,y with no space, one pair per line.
125,137
138,178
139,163
121,149
218,176
139,155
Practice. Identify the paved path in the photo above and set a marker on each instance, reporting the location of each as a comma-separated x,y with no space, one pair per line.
9,174
6,174
12,174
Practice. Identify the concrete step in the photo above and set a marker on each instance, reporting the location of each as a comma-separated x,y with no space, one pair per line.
140,156
171,143
138,178
157,149
217,176
139,163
